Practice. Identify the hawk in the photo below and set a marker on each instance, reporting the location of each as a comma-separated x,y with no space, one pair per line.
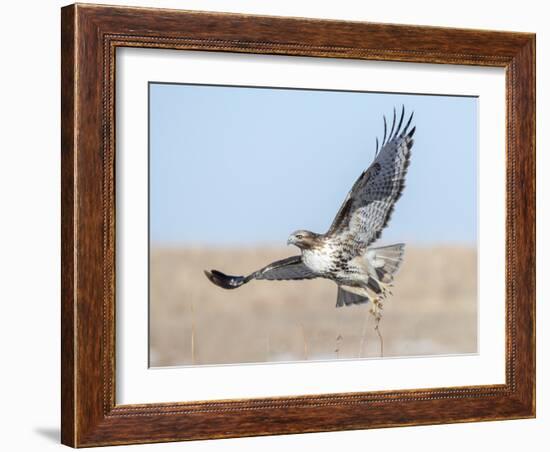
344,253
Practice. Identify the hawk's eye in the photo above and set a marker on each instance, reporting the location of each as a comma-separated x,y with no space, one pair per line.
299,236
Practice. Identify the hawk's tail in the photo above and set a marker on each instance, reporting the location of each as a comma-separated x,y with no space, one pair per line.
383,264
386,261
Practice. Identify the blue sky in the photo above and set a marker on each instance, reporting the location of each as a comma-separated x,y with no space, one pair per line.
241,166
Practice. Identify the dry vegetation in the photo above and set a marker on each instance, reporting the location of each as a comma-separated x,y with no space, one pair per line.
433,310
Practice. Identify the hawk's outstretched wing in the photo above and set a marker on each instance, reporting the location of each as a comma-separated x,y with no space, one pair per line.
369,204
285,269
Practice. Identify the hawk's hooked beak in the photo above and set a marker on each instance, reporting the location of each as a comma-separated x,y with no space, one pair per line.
291,240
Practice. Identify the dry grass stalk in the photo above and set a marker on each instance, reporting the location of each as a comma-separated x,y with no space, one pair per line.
339,340
377,329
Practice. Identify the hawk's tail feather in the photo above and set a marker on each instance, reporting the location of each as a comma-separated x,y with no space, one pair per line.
385,261
225,281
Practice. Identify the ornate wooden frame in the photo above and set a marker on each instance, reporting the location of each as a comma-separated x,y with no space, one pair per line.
90,35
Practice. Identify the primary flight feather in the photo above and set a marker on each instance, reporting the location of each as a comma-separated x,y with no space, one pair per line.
344,253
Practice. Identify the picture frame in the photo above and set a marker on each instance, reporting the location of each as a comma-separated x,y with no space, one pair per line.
90,35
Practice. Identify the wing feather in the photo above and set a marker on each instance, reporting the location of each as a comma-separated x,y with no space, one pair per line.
284,269
368,206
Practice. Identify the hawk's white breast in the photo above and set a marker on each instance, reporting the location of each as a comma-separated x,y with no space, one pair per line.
319,260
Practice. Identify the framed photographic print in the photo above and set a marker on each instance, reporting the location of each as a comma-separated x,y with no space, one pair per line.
280,225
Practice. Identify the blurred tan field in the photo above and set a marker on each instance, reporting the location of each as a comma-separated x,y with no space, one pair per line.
433,310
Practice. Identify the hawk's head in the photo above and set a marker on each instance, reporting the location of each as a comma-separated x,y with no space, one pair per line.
304,240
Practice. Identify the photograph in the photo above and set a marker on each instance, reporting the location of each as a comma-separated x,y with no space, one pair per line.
292,225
